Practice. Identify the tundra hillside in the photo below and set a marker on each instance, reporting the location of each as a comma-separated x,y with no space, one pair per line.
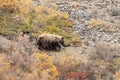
91,29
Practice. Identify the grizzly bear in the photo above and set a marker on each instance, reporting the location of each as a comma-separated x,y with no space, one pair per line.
50,42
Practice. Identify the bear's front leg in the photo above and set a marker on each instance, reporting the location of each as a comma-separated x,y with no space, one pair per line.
57,46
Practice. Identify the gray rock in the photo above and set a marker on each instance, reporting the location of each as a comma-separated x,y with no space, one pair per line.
114,10
4,43
84,15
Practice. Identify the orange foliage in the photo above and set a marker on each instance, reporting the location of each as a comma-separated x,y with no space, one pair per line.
12,5
7,5
79,75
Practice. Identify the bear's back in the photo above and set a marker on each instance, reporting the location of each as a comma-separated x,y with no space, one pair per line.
50,37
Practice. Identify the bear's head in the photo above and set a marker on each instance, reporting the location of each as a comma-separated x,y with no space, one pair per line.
62,41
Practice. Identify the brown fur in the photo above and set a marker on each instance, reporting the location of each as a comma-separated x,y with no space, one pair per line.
50,42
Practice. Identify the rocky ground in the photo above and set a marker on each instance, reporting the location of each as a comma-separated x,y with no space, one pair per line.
82,11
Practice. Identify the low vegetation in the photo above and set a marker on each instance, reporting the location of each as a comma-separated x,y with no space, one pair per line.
18,67
22,61
100,24
104,61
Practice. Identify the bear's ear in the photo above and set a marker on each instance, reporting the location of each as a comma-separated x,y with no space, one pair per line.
40,38
62,38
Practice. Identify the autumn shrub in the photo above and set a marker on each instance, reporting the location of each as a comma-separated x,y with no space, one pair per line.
39,67
117,75
104,60
69,62
27,16
78,75
22,61
53,29
104,50
19,20
7,5
95,22
98,23
45,63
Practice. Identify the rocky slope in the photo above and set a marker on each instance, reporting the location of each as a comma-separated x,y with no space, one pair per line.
82,11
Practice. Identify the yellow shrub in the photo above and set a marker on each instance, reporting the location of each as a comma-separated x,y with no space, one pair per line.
117,75
5,67
52,17
38,67
53,29
99,63
12,5
95,22
7,5
26,16
46,64
98,23
64,23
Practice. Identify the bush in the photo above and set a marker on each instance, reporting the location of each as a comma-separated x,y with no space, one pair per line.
69,62
14,67
45,63
98,23
104,60
117,75
27,17
21,61
53,29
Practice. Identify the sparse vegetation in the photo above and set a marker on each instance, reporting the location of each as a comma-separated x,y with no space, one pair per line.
98,23
103,60
117,75
20,64
69,62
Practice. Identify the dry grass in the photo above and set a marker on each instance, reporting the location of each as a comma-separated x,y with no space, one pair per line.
98,23
68,61
22,62
104,60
